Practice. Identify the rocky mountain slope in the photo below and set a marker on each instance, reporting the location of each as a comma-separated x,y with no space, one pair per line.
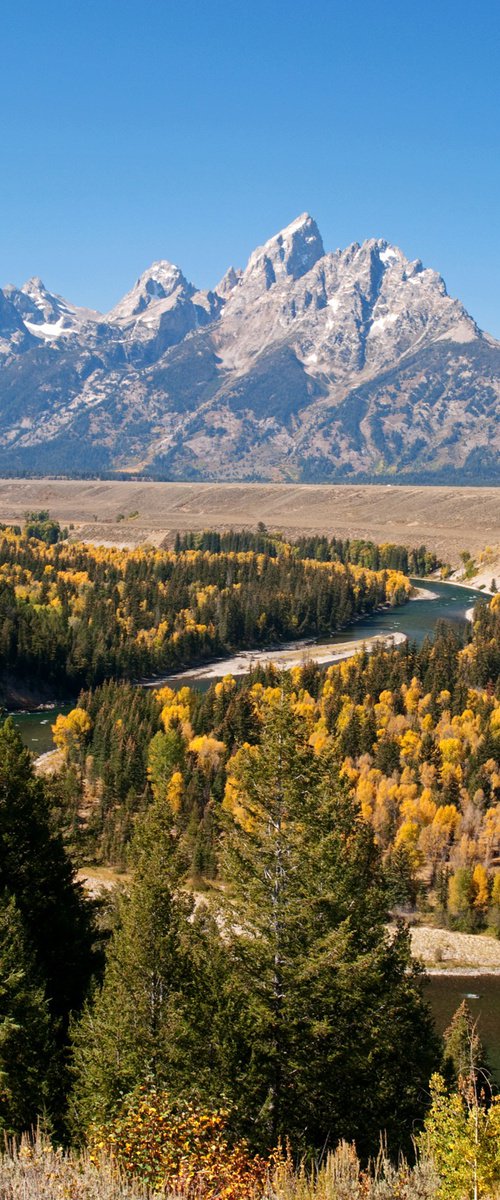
305,366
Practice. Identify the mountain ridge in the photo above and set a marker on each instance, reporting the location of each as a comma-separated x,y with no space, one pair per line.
305,365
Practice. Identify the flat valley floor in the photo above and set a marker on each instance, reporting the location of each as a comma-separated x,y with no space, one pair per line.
446,519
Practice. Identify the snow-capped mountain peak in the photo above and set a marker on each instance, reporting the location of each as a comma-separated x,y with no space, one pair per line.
307,365
161,281
45,314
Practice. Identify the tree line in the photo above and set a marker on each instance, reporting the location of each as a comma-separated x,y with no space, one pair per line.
74,615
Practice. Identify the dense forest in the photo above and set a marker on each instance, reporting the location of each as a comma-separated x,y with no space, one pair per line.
73,615
245,999
415,734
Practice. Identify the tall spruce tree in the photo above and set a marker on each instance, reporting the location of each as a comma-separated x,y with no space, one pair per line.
334,1038
25,1041
155,1018
57,921
36,870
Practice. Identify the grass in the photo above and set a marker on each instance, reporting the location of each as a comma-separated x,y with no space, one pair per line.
35,1171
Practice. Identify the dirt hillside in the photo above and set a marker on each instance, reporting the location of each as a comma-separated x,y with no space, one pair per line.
446,519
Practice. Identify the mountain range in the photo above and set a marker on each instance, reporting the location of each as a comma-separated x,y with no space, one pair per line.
305,366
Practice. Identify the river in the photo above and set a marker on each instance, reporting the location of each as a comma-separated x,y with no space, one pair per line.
482,993
416,620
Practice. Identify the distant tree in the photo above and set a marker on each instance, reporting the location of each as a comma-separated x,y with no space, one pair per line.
41,525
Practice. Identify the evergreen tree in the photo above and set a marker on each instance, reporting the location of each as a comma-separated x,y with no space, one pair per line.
335,1039
153,1020
464,1054
25,1042
36,871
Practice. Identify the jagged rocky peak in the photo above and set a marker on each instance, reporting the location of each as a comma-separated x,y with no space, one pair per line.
10,318
289,254
228,282
161,281
34,287
32,301
46,314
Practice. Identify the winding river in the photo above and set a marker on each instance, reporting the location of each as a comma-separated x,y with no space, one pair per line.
416,621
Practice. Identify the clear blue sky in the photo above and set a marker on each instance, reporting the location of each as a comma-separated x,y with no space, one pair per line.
194,129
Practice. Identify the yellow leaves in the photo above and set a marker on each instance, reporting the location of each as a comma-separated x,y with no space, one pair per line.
365,795
177,714
78,579
235,799
69,731
304,706
421,809
451,774
346,714
319,739
462,1136
208,751
384,709
480,882
265,697
450,749
411,695
408,836
495,721
176,709
165,695
448,818
225,685
172,1149
410,746
175,792
397,587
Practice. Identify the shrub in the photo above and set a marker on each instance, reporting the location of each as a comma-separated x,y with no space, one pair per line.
165,1144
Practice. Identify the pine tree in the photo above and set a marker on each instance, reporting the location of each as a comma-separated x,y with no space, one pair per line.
36,871
25,1043
335,1039
151,1021
464,1054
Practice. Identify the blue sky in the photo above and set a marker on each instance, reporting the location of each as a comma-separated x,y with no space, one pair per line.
194,129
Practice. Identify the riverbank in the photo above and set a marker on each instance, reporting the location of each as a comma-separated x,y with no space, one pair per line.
48,763
291,655
422,593
448,952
